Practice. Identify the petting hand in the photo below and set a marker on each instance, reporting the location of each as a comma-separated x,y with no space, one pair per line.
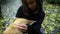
22,27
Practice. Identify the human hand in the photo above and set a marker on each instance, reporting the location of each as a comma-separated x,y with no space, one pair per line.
22,27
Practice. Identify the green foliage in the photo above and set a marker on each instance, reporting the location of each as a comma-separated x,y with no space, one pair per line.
53,1
58,32
51,23
1,26
0,13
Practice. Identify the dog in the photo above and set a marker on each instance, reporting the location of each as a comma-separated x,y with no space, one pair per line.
12,28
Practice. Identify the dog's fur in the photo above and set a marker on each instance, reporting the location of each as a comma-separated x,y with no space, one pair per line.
12,28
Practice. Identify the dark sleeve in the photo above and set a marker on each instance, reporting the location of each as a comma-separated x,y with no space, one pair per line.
41,17
35,28
19,12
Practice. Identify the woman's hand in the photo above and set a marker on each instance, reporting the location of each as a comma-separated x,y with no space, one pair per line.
22,27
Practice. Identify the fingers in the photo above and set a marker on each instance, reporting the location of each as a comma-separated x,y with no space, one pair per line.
22,27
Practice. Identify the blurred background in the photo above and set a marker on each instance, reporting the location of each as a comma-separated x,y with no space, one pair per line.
50,25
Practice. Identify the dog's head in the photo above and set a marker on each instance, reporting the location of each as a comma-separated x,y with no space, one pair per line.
23,20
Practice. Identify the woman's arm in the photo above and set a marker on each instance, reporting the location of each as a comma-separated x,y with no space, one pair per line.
35,28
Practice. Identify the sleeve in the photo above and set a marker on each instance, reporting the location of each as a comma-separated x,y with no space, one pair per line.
41,17
35,28
19,12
